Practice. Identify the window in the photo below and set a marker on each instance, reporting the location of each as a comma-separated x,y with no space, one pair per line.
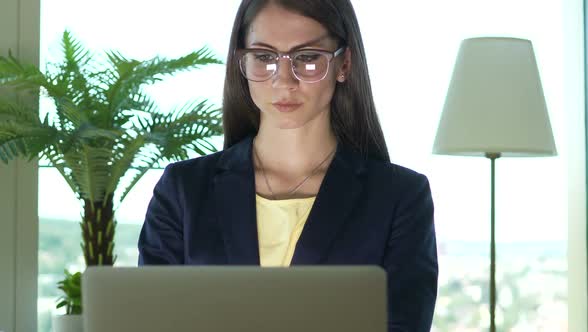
411,49
413,57
143,34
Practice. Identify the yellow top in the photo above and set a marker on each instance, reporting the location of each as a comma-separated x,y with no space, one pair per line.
279,225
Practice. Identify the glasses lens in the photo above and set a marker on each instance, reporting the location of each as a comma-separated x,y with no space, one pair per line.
310,66
258,65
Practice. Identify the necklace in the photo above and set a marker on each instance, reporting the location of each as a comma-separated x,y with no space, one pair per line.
292,191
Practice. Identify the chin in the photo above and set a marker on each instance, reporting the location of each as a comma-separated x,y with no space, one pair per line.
293,120
289,124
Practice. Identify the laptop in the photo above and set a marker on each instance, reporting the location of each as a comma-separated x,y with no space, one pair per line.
234,298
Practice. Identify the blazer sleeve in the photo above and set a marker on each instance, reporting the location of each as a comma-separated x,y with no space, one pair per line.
411,260
161,238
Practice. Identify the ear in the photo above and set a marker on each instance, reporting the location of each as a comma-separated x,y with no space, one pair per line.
345,67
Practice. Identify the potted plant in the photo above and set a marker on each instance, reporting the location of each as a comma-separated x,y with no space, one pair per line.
105,129
72,301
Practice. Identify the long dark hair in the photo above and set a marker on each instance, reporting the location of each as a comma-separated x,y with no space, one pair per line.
353,113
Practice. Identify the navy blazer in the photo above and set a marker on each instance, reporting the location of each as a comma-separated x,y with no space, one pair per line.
367,212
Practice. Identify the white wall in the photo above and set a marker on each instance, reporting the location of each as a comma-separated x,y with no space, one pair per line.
19,32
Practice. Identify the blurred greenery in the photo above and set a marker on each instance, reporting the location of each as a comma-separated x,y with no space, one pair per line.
59,244
59,249
528,285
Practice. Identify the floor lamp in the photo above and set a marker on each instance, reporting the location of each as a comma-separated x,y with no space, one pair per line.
495,108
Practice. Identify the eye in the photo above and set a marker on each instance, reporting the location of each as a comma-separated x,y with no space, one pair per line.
308,57
264,57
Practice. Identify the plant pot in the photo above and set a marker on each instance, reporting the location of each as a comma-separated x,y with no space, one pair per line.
68,323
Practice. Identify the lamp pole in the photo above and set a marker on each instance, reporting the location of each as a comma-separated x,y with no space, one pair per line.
492,157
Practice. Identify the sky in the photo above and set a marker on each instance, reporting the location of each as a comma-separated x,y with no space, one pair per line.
411,48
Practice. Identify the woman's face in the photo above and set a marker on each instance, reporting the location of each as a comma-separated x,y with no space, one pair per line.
284,101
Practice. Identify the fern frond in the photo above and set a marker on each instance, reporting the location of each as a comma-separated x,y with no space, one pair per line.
56,159
22,139
125,152
18,112
151,70
12,149
76,56
90,167
71,81
136,112
148,159
132,74
21,76
69,113
179,130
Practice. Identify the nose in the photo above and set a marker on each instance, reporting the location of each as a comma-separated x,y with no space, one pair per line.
284,77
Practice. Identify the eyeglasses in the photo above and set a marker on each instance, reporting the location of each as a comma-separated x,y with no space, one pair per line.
310,66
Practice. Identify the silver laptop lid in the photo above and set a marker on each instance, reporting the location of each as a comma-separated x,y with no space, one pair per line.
234,298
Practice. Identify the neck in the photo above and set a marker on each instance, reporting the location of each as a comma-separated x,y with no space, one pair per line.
294,151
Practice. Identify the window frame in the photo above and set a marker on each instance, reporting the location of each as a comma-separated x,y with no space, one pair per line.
18,194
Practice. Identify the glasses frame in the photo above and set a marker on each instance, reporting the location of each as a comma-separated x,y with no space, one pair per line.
288,55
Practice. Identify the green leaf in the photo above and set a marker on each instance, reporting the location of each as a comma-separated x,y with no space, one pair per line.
24,76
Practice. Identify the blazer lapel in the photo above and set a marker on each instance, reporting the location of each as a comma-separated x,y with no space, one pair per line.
337,196
234,196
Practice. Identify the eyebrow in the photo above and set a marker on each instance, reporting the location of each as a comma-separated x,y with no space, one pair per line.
303,45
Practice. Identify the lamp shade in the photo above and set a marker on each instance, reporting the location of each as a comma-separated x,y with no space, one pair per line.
495,102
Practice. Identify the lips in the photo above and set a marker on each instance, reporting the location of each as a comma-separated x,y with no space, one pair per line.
286,106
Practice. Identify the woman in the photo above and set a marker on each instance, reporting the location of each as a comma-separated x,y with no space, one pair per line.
305,176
